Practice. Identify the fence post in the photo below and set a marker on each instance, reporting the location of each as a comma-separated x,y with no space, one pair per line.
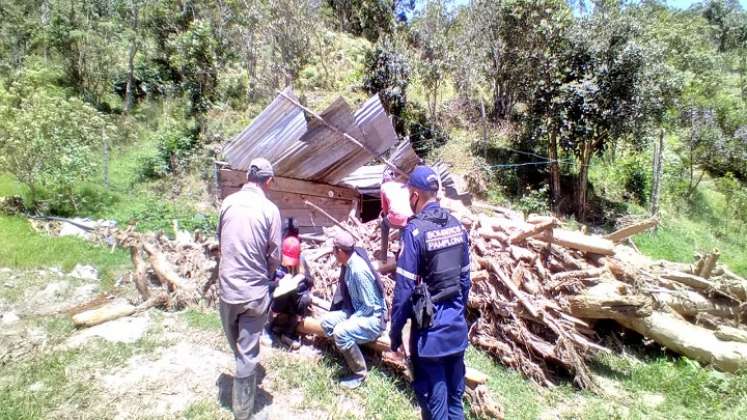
658,169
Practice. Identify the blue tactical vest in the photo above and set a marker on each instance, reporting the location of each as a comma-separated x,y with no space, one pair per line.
443,242
441,239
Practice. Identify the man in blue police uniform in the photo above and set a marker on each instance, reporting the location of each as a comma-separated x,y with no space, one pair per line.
432,285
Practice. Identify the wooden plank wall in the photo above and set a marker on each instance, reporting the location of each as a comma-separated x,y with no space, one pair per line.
290,194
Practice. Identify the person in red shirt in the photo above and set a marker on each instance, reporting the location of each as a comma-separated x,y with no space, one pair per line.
395,207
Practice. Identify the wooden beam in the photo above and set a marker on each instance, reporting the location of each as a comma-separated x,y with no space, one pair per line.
309,325
577,240
235,178
628,231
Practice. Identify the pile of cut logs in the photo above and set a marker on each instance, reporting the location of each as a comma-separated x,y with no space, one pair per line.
537,290
171,273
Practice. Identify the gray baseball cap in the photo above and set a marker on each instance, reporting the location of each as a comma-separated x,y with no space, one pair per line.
259,169
344,240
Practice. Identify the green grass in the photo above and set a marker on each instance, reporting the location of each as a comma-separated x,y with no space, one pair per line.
202,320
520,398
700,227
381,397
61,381
205,410
688,390
22,247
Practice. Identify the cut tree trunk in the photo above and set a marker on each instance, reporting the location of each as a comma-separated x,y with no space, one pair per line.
577,240
731,334
606,302
534,230
103,314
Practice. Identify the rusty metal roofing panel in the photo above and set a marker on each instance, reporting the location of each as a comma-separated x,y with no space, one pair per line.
322,154
368,178
312,151
279,126
375,123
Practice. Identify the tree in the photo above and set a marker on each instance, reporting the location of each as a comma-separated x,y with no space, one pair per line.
81,35
46,137
291,24
509,37
368,18
721,15
434,42
600,100
196,60
129,12
387,74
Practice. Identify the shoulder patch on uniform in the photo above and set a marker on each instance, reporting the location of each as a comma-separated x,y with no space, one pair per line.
415,232
444,238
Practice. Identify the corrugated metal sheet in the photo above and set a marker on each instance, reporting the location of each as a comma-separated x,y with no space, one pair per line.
311,151
322,154
270,134
367,179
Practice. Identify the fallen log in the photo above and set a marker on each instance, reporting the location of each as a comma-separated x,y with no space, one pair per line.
103,314
113,311
727,333
488,233
604,301
705,285
579,241
163,269
309,325
634,229
689,304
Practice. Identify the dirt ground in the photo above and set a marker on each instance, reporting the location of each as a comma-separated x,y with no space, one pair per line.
171,370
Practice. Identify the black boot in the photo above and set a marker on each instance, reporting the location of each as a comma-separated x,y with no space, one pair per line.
357,364
244,390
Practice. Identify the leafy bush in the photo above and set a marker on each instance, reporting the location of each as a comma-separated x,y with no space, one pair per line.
534,201
176,144
388,73
636,178
47,139
736,193
87,199
153,214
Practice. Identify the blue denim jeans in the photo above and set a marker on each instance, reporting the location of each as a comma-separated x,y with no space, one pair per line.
348,330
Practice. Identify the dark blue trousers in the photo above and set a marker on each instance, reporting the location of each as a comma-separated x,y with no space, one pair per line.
439,386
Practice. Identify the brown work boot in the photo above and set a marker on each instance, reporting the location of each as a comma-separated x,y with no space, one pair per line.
356,363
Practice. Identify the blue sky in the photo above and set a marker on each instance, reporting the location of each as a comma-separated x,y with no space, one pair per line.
680,4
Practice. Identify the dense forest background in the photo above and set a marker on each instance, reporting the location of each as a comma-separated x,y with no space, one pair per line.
117,108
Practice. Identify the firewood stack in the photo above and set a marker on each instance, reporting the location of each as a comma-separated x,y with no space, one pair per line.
536,293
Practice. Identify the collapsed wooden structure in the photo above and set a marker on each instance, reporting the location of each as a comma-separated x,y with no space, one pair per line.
326,160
